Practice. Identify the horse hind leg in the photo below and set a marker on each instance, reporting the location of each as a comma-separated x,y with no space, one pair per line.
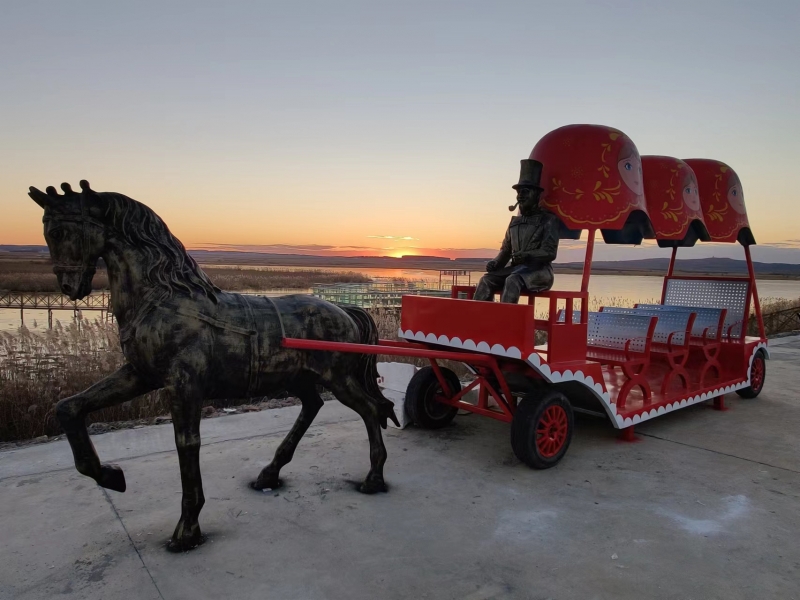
350,393
269,476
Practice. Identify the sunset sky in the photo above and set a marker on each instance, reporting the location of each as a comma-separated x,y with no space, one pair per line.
378,127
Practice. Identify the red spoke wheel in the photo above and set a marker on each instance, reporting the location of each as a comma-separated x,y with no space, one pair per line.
542,429
421,403
758,375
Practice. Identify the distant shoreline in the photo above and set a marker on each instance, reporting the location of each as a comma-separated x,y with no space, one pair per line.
654,267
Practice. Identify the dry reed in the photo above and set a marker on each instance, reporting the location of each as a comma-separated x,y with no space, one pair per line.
38,369
37,276
238,279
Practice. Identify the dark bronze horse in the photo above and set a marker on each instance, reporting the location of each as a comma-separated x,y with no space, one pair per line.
182,334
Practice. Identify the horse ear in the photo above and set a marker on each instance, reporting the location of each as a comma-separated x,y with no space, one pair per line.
39,197
86,187
67,188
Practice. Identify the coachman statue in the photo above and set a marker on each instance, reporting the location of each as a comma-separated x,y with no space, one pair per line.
531,243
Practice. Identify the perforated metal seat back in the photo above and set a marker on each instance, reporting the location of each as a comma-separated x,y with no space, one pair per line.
576,316
611,330
669,322
707,318
731,295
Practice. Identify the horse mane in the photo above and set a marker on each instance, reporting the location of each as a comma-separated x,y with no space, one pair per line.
169,266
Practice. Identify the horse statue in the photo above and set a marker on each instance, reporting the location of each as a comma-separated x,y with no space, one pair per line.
181,334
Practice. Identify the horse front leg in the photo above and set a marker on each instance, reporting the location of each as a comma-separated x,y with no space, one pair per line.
185,402
121,386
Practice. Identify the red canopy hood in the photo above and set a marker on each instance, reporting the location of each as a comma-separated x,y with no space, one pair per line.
592,179
722,200
673,201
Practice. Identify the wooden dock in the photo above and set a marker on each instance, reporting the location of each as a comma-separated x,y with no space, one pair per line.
50,301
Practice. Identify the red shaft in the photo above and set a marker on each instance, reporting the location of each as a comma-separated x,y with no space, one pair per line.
393,349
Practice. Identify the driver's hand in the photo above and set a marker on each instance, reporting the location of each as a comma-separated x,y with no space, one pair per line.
518,258
491,266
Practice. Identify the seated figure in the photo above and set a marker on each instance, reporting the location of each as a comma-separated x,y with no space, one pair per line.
531,243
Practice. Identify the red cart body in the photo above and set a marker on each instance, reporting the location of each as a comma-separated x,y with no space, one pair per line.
630,364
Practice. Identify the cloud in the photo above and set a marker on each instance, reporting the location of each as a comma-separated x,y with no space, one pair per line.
783,244
392,237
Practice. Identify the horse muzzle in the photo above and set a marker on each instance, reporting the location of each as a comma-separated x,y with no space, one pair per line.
75,282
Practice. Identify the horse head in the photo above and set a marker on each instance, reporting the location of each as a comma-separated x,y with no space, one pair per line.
75,235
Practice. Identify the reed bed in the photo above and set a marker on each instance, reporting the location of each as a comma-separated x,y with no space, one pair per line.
37,276
238,279
781,315
38,369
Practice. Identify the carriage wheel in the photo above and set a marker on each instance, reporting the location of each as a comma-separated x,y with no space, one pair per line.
758,374
421,404
542,429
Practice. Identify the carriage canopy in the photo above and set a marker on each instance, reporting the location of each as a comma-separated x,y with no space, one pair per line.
592,179
722,201
673,201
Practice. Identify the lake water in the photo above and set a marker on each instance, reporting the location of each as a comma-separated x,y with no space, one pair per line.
622,290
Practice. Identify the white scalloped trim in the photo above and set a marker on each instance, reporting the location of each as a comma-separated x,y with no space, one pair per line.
597,388
533,359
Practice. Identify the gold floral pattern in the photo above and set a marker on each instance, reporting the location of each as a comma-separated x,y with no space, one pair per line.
716,212
672,212
605,193
599,192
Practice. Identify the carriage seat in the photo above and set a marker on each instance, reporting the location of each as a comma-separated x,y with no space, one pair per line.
709,324
673,331
620,340
617,338
731,294
671,339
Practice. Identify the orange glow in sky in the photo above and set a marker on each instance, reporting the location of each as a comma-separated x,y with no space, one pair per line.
378,128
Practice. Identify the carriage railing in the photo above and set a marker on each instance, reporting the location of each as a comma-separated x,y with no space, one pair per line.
564,340
54,301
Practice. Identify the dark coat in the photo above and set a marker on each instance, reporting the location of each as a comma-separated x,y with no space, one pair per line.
537,237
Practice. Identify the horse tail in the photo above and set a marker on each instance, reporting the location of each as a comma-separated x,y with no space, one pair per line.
367,373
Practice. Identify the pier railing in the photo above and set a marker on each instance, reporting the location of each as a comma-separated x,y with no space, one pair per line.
50,301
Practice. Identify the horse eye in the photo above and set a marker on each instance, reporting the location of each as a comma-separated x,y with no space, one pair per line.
56,234
627,166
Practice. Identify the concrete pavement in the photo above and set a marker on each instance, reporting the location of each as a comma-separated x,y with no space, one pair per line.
704,506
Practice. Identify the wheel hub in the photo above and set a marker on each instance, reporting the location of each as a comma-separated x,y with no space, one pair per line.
757,374
551,432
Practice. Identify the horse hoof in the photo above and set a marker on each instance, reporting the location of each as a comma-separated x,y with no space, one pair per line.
372,487
185,544
261,485
112,478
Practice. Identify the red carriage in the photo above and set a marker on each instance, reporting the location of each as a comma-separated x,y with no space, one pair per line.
535,364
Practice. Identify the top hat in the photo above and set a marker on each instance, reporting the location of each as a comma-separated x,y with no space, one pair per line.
530,173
